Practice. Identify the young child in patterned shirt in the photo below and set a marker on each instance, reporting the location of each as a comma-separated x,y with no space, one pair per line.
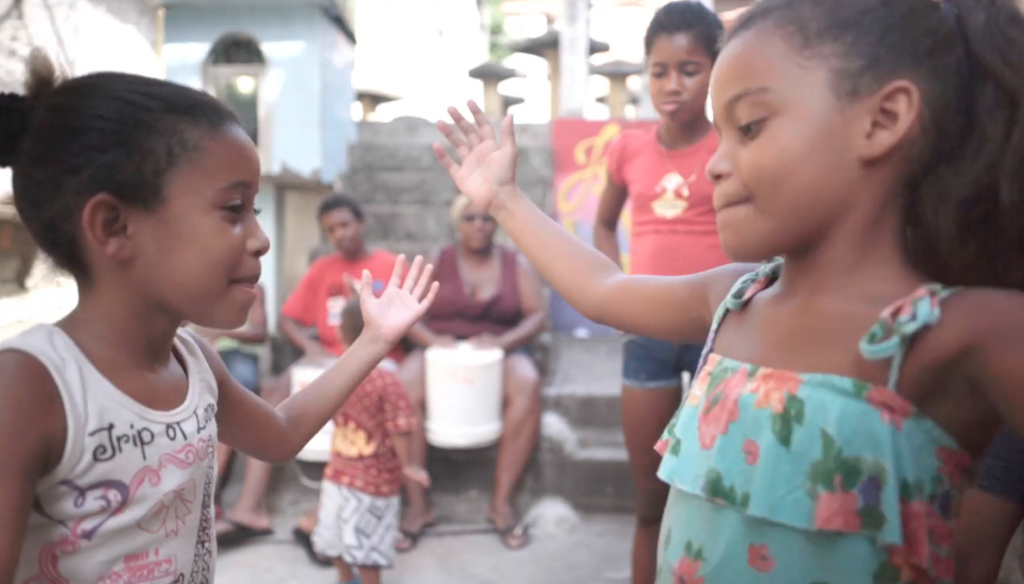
359,496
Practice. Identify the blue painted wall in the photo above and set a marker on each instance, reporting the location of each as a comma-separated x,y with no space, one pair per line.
307,90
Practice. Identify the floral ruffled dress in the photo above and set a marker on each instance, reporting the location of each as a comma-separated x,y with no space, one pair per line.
808,478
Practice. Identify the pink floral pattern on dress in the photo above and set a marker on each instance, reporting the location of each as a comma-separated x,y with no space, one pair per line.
759,557
721,408
838,510
751,451
955,465
893,408
773,387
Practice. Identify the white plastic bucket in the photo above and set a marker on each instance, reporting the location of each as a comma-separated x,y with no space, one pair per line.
319,448
463,396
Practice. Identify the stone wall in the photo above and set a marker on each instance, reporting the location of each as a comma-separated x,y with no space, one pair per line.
406,193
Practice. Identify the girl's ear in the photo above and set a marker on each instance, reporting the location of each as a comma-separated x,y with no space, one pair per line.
890,115
106,227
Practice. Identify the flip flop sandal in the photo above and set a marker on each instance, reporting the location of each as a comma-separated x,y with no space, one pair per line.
239,534
513,533
412,537
306,543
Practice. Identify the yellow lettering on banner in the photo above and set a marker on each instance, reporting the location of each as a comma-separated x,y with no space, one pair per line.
588,181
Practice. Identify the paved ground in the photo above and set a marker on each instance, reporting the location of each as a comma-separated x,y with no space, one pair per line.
566,548
596,551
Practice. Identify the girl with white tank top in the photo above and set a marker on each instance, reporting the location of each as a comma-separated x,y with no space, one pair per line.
144,191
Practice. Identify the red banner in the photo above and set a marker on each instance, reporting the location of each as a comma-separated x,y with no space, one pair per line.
581,154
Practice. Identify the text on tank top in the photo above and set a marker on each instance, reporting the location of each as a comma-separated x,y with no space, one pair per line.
132,498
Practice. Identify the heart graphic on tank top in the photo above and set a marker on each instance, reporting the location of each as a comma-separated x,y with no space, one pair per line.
99,502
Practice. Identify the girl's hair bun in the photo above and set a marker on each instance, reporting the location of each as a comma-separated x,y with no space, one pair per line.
15,115
16,110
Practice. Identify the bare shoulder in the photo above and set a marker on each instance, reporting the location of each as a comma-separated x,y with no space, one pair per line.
720,281
975,317
31,411
984,309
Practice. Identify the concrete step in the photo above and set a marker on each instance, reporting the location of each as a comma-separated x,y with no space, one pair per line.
587,467
585,381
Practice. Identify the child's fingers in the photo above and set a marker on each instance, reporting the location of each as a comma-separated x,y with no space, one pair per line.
508,134
424,282
365,289
472,136
483,124
445,160
396,272
431,294
456,139
413,274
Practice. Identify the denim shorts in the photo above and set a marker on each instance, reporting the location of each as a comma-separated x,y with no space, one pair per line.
1002,468
244,367
650,363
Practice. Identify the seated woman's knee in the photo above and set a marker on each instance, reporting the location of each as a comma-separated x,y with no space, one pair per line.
523,380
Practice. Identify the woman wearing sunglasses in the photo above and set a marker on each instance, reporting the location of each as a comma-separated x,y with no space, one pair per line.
491,297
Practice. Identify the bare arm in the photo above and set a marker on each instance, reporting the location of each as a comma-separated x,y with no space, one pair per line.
606,224
33,429
678,309
984,528
535,311
403,447
403,444
250,425
991,323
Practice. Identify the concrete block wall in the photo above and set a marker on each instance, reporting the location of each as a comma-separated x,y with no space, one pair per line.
406,193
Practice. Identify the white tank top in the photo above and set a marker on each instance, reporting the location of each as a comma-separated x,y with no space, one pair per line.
132,498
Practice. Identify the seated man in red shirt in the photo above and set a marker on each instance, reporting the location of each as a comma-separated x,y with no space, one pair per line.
317,301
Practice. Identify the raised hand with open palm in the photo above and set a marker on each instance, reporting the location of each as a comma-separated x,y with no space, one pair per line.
485,166
402,304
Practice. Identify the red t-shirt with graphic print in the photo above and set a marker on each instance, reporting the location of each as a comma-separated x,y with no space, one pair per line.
321,294
362,454
673,229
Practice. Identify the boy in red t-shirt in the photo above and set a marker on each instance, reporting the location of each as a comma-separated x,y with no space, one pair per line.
359,496
321,294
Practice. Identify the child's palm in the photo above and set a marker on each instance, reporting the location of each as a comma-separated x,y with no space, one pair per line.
402,304
486,166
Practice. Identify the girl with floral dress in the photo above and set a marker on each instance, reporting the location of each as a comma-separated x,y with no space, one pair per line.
873,147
